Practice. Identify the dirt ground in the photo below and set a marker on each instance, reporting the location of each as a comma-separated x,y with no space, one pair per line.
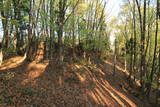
47,84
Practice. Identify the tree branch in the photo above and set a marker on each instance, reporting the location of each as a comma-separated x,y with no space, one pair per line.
72,11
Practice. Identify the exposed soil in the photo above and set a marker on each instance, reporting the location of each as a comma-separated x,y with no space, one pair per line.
48,84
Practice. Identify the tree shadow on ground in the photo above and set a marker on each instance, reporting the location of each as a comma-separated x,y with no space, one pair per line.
69,85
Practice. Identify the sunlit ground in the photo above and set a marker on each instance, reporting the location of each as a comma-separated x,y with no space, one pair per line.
12,63
88,85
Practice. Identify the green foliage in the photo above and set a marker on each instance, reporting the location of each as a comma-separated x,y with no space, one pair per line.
15,22
3,18
1,6
25,4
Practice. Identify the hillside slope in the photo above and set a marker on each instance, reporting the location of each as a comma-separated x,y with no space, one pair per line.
81,84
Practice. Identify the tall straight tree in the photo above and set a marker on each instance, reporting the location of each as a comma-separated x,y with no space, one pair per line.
142,20
155,51
52,30
61,20
135,37
30,31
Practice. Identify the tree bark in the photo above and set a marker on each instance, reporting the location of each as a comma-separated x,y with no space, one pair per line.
155,51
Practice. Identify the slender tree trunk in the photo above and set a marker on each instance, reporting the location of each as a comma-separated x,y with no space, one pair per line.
79,34
52,42
17,17
125,62
131,58
158,81
4,29
73,35
155,51
142,47
115,57
61,19
29,45
135,39
60,42
148,40
1,54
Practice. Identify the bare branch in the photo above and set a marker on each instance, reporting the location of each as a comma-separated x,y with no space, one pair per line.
72,11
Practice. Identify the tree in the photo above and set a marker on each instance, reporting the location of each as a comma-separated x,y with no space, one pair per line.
155,52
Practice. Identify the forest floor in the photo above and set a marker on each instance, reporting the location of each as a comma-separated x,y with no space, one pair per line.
47,84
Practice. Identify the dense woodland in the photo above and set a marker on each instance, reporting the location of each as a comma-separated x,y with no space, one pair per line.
68,31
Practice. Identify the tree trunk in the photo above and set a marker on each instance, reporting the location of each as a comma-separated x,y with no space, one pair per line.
155,51
29,45
142,47
115,57
135,40
52,42
73,35
1,55
60,43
